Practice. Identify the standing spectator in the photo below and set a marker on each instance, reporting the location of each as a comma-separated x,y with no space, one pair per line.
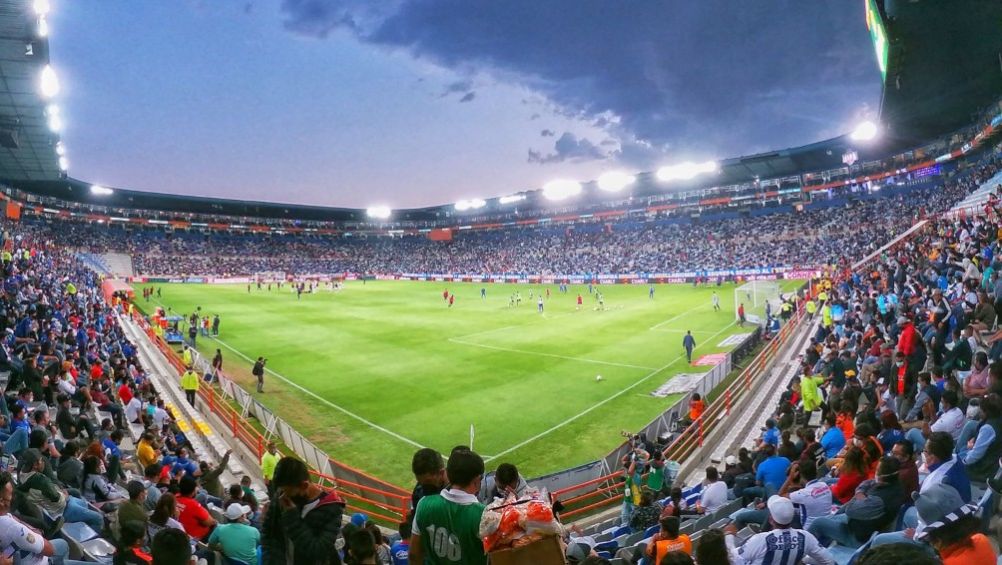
217,363
258,372
189,383
303,524
215,326
456,512
268,462
688,343
429,472
401,548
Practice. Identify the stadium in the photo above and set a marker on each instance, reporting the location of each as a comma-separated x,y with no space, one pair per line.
788,356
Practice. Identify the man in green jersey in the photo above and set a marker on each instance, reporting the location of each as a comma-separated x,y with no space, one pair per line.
446,525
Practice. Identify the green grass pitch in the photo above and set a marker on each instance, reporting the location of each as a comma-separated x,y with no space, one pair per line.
392,367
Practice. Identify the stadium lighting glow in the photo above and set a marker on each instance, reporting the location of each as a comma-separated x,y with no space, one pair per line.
60,150
55,122
471,204
512,198
63,163
41,7
49,83
378,212
561,188
43,27
865,131
614,181
99,190
685,171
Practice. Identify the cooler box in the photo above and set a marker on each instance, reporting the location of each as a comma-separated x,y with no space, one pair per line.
546,551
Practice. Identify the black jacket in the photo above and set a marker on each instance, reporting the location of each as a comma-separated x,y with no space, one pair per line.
303,535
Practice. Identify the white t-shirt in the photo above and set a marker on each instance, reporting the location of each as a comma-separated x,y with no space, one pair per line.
26,543
132,409
714,496
812,501
952,422
159,417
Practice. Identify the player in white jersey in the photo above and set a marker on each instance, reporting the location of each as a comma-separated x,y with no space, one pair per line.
782,545
716,302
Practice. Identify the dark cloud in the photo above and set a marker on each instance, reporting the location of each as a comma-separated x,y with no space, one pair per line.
468,97
713,77
547,133
569,147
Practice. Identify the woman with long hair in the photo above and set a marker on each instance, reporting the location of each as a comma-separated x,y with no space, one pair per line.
851,472
712,549
164,516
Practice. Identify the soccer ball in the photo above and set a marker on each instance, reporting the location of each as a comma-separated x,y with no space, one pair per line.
598,378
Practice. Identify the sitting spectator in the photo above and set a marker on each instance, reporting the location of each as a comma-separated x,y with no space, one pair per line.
26,541
952,528
647,512
129,550
908,475
209,478
783,540
70,470
851,472
770,475
981,456
71,426
96,487
944,467
146,450
667,539
832,439
151,474
874,505
714,494
164,516
41,490
170,547
237,540
134,509
383,555
193,516
890,431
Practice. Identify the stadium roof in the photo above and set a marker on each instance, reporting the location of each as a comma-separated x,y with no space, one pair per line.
27,146
931,89
944,65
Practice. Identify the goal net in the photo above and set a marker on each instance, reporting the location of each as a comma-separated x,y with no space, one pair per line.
755,295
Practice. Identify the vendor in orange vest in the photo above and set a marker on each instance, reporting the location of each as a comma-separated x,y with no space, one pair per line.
668,540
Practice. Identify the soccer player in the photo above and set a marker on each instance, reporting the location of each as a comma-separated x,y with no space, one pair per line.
452,299
689,343
483,293
579,302
540,304
601,301
741,314
518,298
445,294
650,292
716,302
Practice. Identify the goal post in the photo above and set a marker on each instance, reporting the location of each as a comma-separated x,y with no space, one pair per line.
754,295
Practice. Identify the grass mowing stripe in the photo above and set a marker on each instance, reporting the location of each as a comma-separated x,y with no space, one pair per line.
554,355
602,403
670,320
322,399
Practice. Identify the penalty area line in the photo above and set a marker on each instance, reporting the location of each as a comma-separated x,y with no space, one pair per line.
601,403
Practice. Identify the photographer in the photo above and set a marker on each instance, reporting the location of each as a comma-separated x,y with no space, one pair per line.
258,372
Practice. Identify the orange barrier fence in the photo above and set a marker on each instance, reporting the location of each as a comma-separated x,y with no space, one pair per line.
606,491
379,499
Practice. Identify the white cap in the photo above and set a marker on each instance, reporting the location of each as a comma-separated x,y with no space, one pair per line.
235,511
730,460
780,509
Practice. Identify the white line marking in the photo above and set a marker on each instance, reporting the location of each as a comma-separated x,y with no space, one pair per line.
349,413
669,320
526,352
694,332
603,402
324,400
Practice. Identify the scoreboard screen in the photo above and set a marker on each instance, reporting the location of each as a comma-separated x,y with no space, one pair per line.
878,34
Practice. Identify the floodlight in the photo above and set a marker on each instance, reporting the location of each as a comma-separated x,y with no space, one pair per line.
512,198
472,204
55,123
614,181
561,188
865,131
379,212
63,163
99,190
49,82
60,150
43,27
685,171
41,7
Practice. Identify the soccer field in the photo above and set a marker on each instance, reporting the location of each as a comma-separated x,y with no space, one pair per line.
390,367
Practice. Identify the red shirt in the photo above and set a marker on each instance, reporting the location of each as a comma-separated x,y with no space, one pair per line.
124,394
190,512
843,490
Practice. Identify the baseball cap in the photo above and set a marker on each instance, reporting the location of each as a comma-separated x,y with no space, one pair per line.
359,519
235,511
579,549
730,460
780,509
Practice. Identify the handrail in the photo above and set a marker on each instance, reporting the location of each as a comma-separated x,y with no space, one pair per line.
244,432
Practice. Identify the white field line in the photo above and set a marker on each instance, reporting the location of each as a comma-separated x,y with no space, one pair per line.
603,402
694,332
687,312
344,411
541,354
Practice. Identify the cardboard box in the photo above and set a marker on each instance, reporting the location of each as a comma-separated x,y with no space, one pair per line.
546,551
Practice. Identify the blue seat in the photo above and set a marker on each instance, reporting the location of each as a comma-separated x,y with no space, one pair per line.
651,531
